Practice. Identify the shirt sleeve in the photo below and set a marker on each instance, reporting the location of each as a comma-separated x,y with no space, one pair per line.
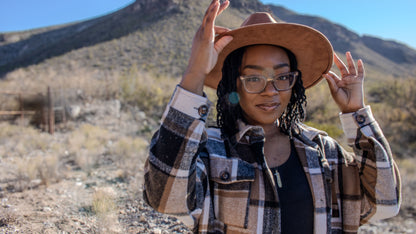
379,175
175,175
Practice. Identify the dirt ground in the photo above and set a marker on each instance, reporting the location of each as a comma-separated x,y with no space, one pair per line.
68,203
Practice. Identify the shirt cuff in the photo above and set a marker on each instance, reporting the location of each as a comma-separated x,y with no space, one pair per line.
190,103
351,122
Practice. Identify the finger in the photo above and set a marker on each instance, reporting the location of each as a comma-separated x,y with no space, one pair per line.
222,42
338,81
360,67
223,6
341,66
220,30
334,76
210,13
333,87
209,9
351,65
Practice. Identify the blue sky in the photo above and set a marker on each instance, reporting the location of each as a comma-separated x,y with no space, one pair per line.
386,19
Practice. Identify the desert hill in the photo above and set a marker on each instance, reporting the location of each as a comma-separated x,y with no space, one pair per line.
156,35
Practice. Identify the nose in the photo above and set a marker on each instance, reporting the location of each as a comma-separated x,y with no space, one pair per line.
270,89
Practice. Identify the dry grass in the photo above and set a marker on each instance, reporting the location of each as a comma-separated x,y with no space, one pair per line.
105,208
38,158
35,160
149,92
25,139
103,202
72,81
407,166
38,170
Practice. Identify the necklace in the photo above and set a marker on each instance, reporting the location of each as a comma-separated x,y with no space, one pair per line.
279,180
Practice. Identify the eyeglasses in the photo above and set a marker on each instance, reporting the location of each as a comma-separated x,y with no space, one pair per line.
257,83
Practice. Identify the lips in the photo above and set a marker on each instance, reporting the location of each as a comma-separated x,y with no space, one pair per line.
268,106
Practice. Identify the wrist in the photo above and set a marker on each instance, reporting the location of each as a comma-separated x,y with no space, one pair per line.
352,109
193,83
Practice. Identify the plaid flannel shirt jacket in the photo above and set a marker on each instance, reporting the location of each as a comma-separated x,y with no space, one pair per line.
224,185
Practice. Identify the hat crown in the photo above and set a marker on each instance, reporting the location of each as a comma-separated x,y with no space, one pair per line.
259,18
312,49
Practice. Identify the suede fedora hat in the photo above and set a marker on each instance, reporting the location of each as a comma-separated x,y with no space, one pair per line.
312,49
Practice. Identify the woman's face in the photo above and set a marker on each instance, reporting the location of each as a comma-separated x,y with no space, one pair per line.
266,107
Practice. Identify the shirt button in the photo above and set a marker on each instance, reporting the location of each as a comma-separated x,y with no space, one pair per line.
360,119
225,176
203,110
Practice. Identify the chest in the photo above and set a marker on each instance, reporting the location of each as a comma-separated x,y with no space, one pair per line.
276,152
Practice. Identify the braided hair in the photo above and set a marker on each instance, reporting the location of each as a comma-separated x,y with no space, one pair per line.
228,108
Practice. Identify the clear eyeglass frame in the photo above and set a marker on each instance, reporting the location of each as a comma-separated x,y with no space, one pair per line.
265,80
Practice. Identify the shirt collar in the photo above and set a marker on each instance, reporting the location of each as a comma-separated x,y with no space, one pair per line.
248,133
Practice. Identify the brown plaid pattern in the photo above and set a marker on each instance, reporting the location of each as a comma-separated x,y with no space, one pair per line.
225,186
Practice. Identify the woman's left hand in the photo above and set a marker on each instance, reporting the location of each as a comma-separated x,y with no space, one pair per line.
347,91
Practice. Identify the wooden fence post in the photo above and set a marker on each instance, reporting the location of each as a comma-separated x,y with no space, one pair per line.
22,115
51,113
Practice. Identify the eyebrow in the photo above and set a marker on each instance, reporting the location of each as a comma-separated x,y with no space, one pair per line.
275,67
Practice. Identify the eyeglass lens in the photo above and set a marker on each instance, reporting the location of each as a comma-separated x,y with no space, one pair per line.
257,83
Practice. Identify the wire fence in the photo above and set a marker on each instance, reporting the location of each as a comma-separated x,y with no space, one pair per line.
41,109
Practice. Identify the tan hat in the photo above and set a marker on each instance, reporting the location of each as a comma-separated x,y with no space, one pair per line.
312,49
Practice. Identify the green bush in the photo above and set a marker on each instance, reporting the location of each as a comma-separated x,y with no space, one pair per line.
149,92
395,108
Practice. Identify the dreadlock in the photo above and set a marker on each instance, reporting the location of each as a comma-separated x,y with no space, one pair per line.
228,108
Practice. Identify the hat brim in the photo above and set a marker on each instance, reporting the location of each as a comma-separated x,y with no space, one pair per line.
313,51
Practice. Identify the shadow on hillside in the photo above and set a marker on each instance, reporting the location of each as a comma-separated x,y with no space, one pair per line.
58,41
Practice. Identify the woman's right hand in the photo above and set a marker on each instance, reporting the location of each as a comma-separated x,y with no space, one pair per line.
204,53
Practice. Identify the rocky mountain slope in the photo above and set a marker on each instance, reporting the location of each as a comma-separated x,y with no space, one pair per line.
156,35
390,57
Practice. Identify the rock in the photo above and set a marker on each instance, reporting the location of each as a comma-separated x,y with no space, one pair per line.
157,231
73,111
35,183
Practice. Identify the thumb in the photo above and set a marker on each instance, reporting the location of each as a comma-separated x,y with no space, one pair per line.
333,87
222,43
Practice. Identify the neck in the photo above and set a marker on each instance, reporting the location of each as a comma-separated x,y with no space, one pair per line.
271,130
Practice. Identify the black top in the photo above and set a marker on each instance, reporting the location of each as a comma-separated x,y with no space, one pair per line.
295,196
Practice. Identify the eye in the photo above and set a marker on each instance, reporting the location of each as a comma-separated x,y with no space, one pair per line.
283,77
252,78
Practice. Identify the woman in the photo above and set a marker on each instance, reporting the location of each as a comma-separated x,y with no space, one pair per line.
261,170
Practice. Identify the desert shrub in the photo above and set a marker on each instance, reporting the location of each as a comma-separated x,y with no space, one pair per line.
321,108
395,107
103,202
89,137
130,154
149,92
407,165
81,80
129,147
33,155
105,208
26,139
47,169
322,112
87,143
42,169
333,130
